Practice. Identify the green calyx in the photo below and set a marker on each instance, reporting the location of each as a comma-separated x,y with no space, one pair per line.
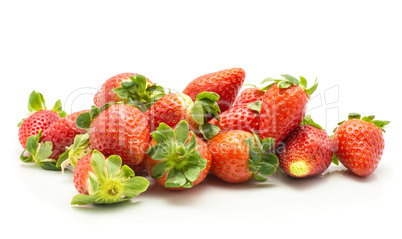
37,103
262,163
75,152
204,106
139,93
256,105
178,155
110,182
84,120
288,81
39,153
379,123
308,120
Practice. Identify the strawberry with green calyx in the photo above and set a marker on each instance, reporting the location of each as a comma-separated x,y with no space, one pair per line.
283,106
129,88
238,156
177,159
226,83
358,143
75,152
117,129
174,107
101,181
307,151
40,118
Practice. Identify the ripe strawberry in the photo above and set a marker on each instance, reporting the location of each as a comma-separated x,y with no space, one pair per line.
359,143
101,181
177,159
249,95
307,152
39,117
225,83
283,107
118,129
129,88
240,117
174,107
237,156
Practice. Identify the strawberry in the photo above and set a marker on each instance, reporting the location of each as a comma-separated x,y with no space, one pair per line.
307,152
238,156
240,117
283,107
174,107
359,143
40,118
225,83
249,95
130,88
117,129
101,181
177,159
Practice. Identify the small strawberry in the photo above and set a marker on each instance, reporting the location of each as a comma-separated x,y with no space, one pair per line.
177,159
240,117
238,156
359,143
40,118
101,181
283,107
117,129
225,83
249,95
129,88
174,107
307,152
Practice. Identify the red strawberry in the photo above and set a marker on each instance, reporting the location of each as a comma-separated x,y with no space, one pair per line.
249,95
359,143
119,129
177,159
129,88
225,83
39,117
283,107
101,181
240,117
174,107
237,156
307,151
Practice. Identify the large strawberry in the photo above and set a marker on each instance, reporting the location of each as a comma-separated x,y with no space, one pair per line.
129,88
359,143
177,159
117,129
307,151
174,107
283,107
101,181
40,118
238,156
225,83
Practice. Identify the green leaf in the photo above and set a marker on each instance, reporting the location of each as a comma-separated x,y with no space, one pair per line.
81,199
49,166
252,166
113,163
159,137
256,106
192,144
270,79
32,144
166,130
309,121
182,133
58,108
83,121
312,89
159,151
267,144
270,158
175,178
160,169
259,178
135,186
335,159
303,82
209,130
368,118
250,142
284,84
267,169
124,173
197,113
255,156
94,182
291,79
212,96
98,165
44,151
36,102
354,116
192,173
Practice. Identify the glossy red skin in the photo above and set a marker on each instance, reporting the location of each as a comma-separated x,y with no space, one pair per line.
81,174
249,95
309,144
39,120
62,133
225,83
230,156
106,94
120,130
359,146
282,110
205,154
239,117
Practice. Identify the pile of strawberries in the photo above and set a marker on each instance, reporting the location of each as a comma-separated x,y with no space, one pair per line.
179,138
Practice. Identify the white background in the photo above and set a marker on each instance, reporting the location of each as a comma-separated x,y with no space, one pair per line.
67,50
